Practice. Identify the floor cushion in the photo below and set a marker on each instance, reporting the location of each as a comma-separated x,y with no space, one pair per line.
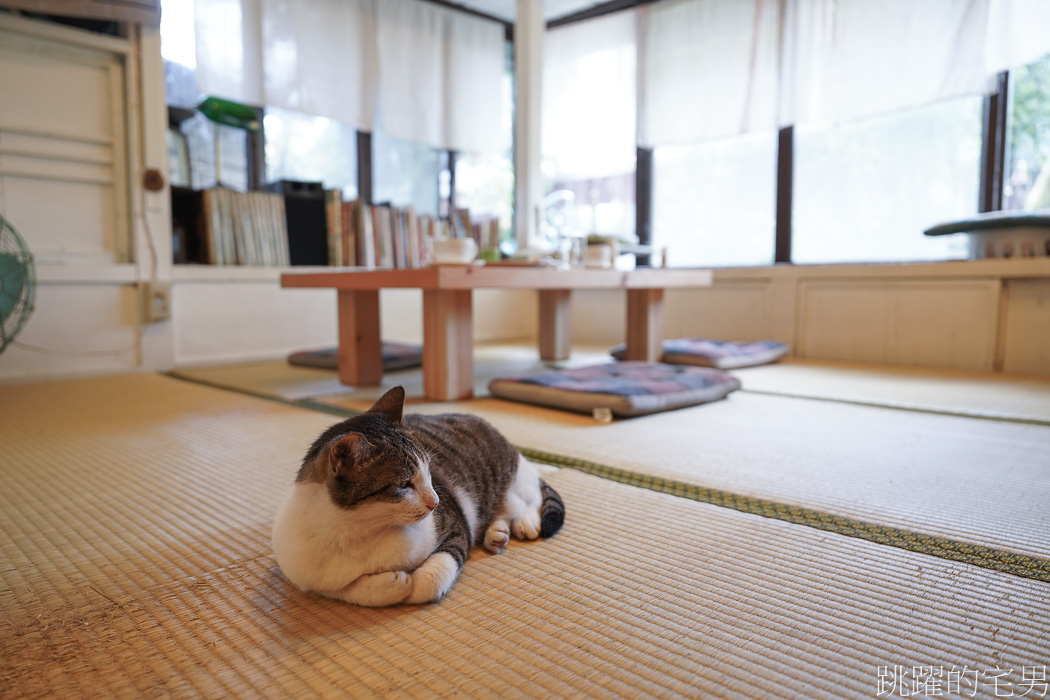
624,388
395,356
722,354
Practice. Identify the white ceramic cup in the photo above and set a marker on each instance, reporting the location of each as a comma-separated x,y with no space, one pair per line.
455,250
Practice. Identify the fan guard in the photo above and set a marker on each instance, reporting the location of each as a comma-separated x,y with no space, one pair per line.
17,283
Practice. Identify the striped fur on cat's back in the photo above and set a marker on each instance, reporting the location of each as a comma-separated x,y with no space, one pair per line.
386,507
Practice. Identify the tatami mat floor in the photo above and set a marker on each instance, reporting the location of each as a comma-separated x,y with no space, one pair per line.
135,563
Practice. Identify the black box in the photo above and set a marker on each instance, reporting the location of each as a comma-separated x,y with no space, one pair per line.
305,214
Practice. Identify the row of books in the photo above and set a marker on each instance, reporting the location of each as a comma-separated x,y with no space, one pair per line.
390,236
244,228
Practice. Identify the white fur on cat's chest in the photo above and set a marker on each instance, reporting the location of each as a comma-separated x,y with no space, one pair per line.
321,547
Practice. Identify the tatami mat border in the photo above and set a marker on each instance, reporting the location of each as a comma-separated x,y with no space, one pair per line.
898,407
943,547
933,545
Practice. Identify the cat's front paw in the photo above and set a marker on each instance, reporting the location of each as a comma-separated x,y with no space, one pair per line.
497,537
432,580
527,527
378,590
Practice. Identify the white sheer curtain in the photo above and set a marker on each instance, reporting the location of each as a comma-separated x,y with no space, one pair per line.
856,58
229,49
715,68
1018,33
440,76
710,69
319,57
438,71
589,96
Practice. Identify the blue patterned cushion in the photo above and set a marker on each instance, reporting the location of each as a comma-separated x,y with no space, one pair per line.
395,356
722,354
626,388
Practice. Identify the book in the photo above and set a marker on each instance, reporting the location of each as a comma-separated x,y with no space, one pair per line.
366,246
333,207
349,232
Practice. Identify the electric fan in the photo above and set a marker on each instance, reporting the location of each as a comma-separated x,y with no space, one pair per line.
17,283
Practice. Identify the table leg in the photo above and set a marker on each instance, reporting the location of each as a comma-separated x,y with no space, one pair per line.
448,344
645,324
555,323
360,344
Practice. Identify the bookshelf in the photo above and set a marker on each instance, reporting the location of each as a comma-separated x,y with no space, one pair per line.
295,224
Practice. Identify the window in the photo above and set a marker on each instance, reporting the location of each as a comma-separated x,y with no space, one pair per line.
197,147
406,173
1027,181
714,203
485,182
310,149
589,127
865,191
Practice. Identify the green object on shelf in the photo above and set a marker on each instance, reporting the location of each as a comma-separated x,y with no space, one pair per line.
230,113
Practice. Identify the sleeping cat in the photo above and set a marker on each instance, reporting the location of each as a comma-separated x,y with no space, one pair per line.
386,507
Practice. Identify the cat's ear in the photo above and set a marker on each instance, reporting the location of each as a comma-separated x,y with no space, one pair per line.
391,404
346,451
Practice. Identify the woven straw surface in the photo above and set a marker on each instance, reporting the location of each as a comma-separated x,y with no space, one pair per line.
986,394
281,380
136,514
979,481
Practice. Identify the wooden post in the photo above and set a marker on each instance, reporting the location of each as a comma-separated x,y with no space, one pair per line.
360,342
645,324
448,344
555,324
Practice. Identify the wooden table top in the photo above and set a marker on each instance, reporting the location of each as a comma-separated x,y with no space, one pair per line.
496,276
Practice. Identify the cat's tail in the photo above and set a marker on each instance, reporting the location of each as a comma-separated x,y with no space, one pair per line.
552,510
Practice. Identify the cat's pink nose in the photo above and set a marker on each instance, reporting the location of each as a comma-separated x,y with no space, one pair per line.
431,503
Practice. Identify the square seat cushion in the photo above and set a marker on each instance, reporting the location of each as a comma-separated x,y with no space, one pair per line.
722,354
395,356
625,388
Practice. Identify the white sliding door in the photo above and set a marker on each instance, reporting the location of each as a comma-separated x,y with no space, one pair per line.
63,162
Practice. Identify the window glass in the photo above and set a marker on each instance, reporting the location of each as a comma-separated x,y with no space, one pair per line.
589,127
865,191
1027,182
714,203
213,147
485,182
310,149
406,173
197,147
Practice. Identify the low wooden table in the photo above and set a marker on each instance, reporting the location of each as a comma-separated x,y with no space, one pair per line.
448,326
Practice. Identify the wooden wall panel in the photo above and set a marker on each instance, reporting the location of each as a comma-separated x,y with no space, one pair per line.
938,323
727,311
1027,326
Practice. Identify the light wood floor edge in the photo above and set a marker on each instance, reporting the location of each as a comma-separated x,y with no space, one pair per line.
1022,565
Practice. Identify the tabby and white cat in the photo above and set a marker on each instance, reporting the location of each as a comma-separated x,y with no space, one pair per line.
386,507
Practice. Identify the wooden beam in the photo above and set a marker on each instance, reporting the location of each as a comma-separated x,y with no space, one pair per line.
448,344
645,324
555,324
785,186
360,344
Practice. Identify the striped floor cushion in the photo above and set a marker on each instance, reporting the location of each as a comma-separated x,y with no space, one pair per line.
395,356
625,388
722,354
